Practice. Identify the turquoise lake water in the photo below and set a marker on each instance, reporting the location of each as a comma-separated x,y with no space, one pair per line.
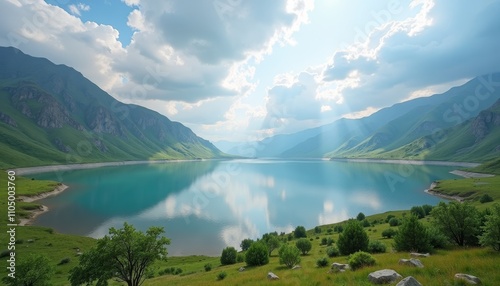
205,206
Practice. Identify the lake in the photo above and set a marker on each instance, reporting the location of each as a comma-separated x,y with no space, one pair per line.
205,206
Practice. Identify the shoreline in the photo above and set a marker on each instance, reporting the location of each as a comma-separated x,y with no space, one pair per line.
431,192
42,209
407,162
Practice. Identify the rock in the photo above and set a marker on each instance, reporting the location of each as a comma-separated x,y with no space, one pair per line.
241,269
411,262
79,253
272,276
296,267
471,279
339,267
416,254
384,276
409,281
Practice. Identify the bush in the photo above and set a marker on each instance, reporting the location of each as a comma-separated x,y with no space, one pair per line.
272,243
412,236
317,229
228,256
388,218
427,209
208,267
35,269
245,244
360,259
330,241
299,232
360,216
240,257
366,223
353,238
64,261
322,262
330,231
388,233
491,235
394,222
338,228
376,246
323,241
419,212
485,199
257,254
221,275
5,253
303,245
458,221
289,255
436,238
332,251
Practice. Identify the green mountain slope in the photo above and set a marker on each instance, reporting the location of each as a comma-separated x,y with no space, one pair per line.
51,114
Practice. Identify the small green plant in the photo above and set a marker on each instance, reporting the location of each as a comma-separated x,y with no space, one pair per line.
323,241
330,241
240,257
221,275
353,238
485,199
322,262
289,255
375,246
208,267
394,222
64,261
388,218
332,251
360,259
388,233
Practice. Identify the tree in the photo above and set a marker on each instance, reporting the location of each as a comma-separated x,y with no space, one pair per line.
412,236
394,222
419,212
317,229
228,256
388,233
272,243
126,254
289,255
491,228
245,244
427,209
34,270
304,245
360,216
458,221
353,238
257,254
300,231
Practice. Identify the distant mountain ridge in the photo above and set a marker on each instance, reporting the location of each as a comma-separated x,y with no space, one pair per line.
51,114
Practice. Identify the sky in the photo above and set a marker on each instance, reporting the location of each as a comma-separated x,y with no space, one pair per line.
242,70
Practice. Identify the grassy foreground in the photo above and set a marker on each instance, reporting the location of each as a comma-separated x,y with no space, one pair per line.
439,268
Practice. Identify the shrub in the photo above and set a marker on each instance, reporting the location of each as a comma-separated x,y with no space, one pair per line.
228,256
272,243
366,223
317,229
388,233
257,254
412,236
485,199
245,244
330,241
394,222
491,235
427,209
322,262
360,259
388,218
35,269
360,216
64,261
289,255
240,257
330,231
419,212
332,251
299,232
221,275
458,221
324,241
208,267
376,246
338,228
436,238
5,253
303,245
353,238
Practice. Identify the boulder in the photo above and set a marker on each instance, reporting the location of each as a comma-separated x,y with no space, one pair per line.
241,269
296,267
411,262
471,279
384,276
336,267
272,276
416,254
409,281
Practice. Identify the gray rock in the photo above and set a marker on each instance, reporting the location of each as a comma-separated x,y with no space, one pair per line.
411,262
79,253
416,254
384,276
296,267
272,276
241,269
471,279
339,267
409,281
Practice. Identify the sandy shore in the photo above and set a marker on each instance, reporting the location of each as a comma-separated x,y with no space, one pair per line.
408,162
431,191
27,221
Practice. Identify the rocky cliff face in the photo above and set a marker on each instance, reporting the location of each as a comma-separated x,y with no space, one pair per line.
482,125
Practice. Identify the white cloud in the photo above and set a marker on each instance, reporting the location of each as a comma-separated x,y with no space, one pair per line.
76,9
132,3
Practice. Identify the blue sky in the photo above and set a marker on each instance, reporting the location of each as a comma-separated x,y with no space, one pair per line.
245,69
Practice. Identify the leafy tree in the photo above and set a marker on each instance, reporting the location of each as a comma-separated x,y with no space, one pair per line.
388,218
245,243
228,256
125,253
365,223
427,209
324,240
491,228
412,236
300,231
417,211
458,221
317,229
304,245
394,222
437,239
338,228
388,233
360,216
34,270
353,238
257,254
289,255
272,243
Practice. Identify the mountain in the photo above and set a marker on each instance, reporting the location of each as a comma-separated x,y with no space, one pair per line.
52,114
